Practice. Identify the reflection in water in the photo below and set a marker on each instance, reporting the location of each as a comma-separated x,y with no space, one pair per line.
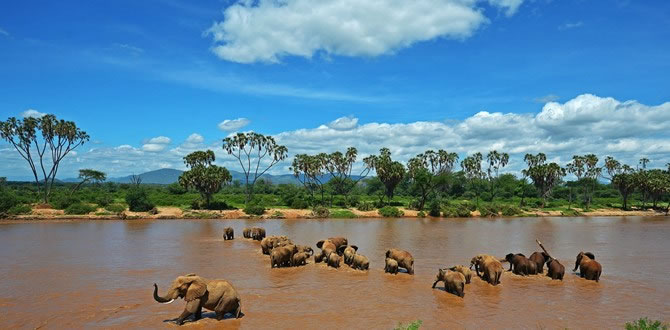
79,274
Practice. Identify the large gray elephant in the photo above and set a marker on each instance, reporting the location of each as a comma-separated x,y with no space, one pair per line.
282,256
454,282
216,295
404,259
348,252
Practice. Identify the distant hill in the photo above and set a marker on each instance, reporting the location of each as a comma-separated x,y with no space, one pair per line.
169,175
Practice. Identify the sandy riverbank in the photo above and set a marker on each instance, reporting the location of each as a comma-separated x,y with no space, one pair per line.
168,212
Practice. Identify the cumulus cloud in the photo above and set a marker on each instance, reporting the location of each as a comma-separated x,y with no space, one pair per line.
343,123
230,125
627,130
32,113
156,144
265,30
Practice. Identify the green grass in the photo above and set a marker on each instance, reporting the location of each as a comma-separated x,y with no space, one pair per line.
414,325
342,214
646,324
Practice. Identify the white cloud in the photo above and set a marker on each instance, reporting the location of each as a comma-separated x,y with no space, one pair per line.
547,98
4,32
32,113
156,144
343,123
265,30
230,125
132,49
587,123
570,25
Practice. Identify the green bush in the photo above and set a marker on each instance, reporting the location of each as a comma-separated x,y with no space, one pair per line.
390,212
80,209
8,200
421,214
434,208
138,201
366,206
116,208
63,201
299,204
320,212
510,210
456,211
217,205
570,213
20,209
176,189
342,214
104,200
254,209
415,325
488,210
646,324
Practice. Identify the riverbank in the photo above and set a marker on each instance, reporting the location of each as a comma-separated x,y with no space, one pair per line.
168,212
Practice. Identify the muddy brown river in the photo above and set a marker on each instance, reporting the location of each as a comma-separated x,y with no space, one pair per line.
84,274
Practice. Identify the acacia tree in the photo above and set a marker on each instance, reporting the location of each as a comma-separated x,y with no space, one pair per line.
309,169
532,161
46,149
472,167
496,161
203,176
426,171
544,176
586,169
251,149
389,172
340,166
625,180
87,175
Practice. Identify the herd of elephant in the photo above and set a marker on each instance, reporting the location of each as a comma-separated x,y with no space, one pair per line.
222,298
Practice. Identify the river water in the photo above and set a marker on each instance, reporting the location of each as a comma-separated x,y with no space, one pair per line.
100,273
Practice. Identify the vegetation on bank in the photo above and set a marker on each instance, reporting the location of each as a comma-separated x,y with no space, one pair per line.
430,182
646,324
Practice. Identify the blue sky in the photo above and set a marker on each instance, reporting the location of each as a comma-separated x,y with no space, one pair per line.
132,71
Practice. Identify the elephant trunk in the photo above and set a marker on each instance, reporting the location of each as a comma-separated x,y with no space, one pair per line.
159,298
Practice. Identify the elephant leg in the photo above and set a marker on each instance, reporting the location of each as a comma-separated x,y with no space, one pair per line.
198,314
434,284
192,307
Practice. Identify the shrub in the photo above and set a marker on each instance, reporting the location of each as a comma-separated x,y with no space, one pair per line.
63,201
646,324
456,211
393,203
488,210
80,209
137,200
116,208
366,206
7,200
20,209
434,208
570,213
277,214
342,214
510,210
320,212
176,189
104,200
415,325
217,205
421,214
153,211
254,209
299,203
390,212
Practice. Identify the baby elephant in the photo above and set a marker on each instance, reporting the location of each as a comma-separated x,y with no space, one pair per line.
454,282
391,266
554,269
334,260
228,233
360,261
299,259
463,270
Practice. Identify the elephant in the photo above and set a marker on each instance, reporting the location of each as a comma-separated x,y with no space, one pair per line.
554,269
228,233
391,266
299,259
338,241
467,273
348,252
454,282
589,268
257,233
490,267
216,295
334,260
306,249
404,259
270,242
522,265
246,232
540,258
360,261
282,256
327,247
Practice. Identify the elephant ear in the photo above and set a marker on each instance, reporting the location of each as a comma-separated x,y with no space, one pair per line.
590,255
354,247
319,244
341,249
197,288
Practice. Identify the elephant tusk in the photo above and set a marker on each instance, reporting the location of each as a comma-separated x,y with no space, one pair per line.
168,302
